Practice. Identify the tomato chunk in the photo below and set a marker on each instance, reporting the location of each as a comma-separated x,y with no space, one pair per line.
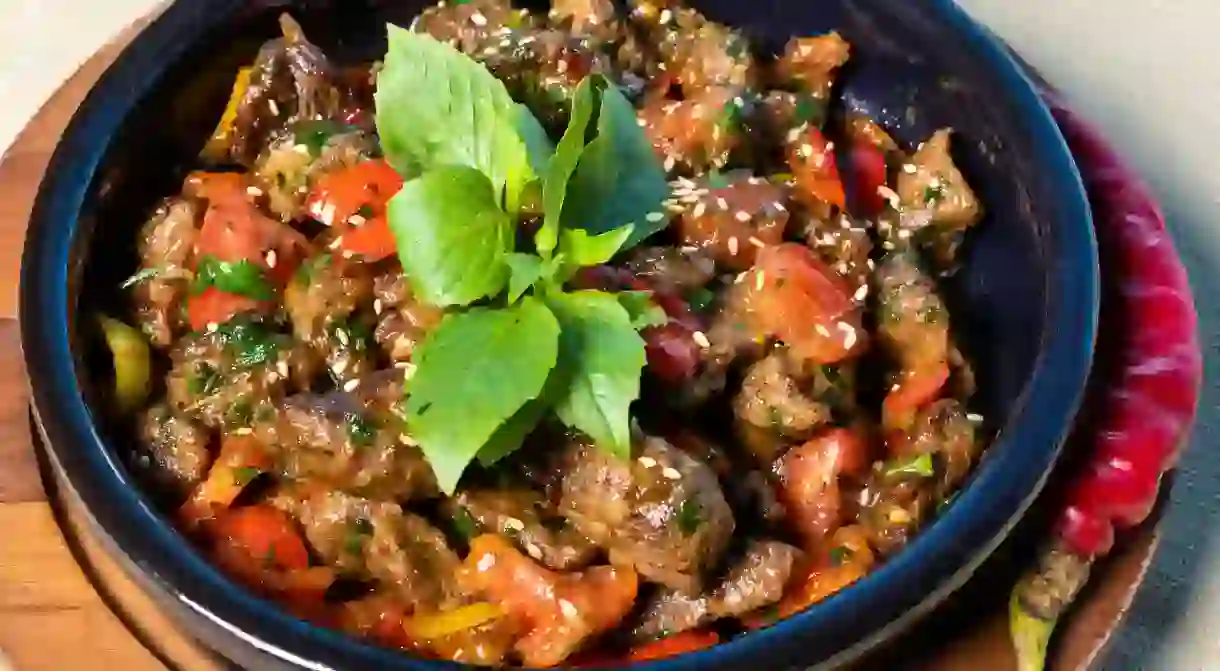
214,306
815,169
353,201
672,646
809,481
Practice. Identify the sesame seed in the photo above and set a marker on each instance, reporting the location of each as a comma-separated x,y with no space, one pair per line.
533,551
742,216
212,326
701,339
666,16
300,149
757,243
356,220
908,168
478,19
669,163
849,335
407,440
514,524
889,194
486,562
271,258
870,264
722,203
862,292
739,278
822,330
244,431
254,191
671,473
647,462
328,214
974,417
275,109
377,307
569,610
759,280
282,367
334,244
700,208
654,217
794,135
339,367
903,234
341,336
780,207
351,385
733,246
805,151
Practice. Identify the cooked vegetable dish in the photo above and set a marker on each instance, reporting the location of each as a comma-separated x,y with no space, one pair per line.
586,338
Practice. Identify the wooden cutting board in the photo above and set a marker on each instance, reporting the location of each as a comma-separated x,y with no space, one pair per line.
65,605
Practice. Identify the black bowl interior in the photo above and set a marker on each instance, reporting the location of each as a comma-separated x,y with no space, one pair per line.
1023,304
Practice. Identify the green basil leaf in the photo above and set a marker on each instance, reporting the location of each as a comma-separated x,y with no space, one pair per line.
563,163
523,271
619,179
583,249
642,309
452,236
509,437
538,145
240,277
604,355
438,107
920,465
473,373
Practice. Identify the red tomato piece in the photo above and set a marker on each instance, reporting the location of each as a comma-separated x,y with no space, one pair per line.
266,534
354,200
214,306
793,296
916,389
870,172
672,646
809,481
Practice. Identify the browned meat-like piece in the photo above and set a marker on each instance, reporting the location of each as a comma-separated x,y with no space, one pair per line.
166,246
772,399
942,204
946,431
379,541
811,62
322,303
350,441
662,512
470,26
678,270
694,134
172,452
522,515
913,326
291,81
292,164
844,244
403,321
754,580
731,217
595,19
701,54
224,378
891,508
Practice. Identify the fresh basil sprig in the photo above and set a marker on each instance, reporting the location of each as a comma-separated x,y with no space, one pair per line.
517,345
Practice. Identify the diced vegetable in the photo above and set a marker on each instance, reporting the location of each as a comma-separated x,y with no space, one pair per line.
242,459
431,626
672,646
353,201
132,361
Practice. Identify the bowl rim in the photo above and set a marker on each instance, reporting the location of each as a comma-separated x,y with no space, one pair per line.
944,554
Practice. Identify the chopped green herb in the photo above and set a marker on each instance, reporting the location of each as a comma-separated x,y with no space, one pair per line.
932,312
360,430
242,277
141,275
314,134
240,414
307,271
717,180
690,516
769,613
269,558
921,466
357,336
365,211
933,193
249,342
839,554
810,110
244,475
730,119
205,380
264,413
357,530
701,299
464,524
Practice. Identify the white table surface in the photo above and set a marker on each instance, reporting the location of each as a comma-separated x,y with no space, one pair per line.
1147,70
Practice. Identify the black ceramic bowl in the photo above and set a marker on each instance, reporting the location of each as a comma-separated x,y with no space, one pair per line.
1025,301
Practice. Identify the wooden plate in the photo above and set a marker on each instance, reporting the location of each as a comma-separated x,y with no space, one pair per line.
65,604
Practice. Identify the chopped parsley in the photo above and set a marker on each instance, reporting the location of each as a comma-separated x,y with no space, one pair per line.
701,299
839,554
690,516
365,211
357,530
244,475
464,524
809,110
249,342
315,133
238,277
308,270
239,414
360,430
205,381
934,193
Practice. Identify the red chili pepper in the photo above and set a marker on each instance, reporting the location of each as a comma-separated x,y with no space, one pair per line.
870,172
673,354
1148,374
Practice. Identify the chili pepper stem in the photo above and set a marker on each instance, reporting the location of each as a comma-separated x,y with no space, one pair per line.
1038,600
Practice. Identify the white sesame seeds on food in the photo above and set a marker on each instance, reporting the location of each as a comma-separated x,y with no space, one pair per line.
212,326
671,473
647,462
244,431
478,19
780,207
794,135
351,385
974,417
533,551
760,280
742,216
700,208
903,233
356,220
271,258
334,244
486,562
408,370
377,307
341,336
804,151
722,203
670,162
733,245
348,254
254,191
300,149
282,367
861,293
849,335
340,366
666,16
822,330
514,524
654,217
908,168
271,104
407,440
757,243
568,608
701,339
889,194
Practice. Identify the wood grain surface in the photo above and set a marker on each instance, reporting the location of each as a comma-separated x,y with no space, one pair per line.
66,605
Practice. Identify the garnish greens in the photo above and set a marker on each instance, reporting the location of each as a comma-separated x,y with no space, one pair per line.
516,344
